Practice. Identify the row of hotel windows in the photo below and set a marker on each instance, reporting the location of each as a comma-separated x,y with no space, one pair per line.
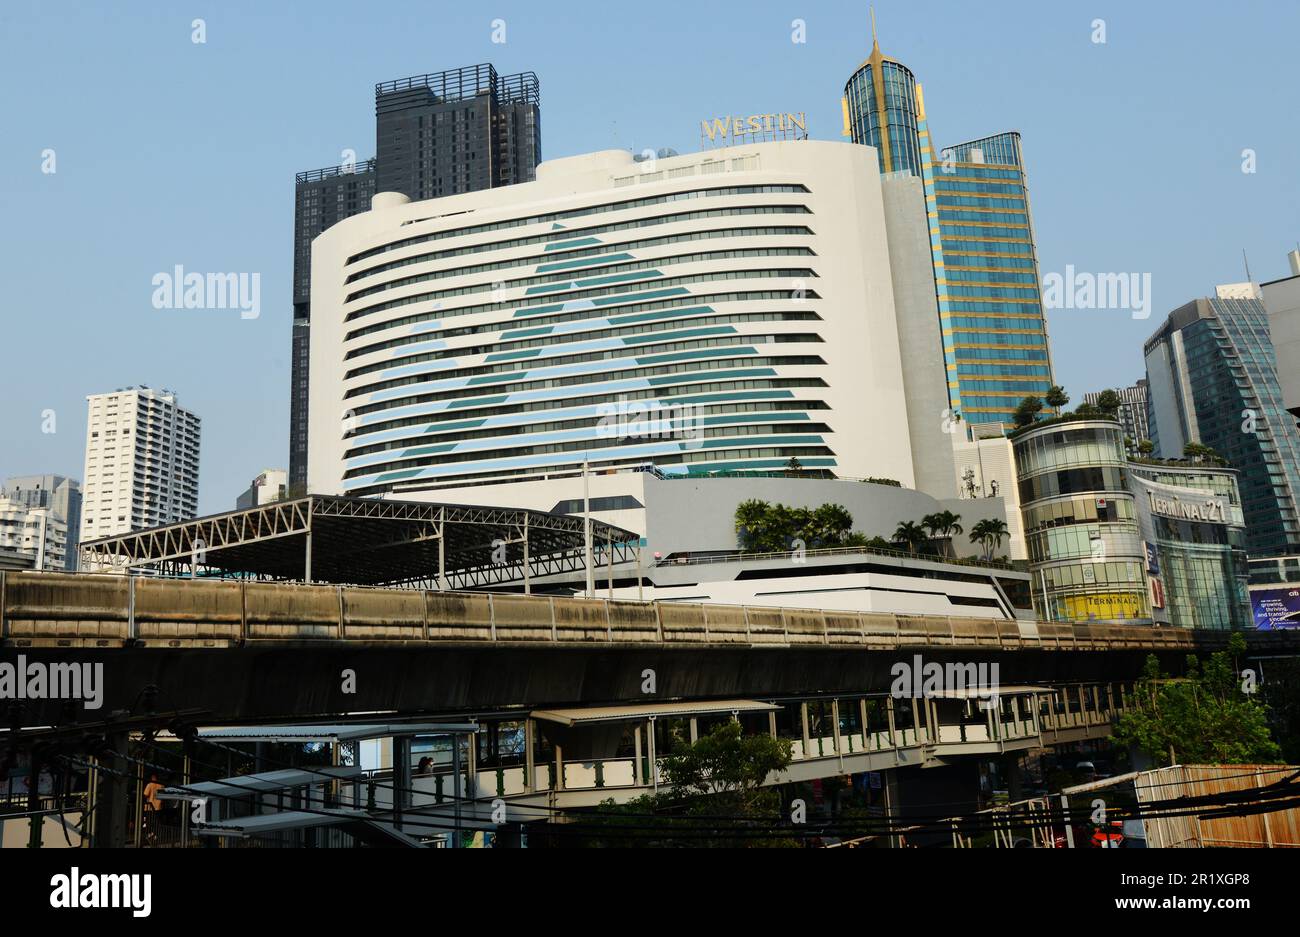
568,260
693,389
538,321
581,246
520,386
754,411
629,291
738,433
716,213
573,213
565,276
781,453
641,329
691,393
629,353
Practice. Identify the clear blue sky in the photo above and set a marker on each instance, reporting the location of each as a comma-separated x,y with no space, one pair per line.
174,153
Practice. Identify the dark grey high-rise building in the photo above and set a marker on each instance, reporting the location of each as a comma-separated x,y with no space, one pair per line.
322,198
440,134
457,131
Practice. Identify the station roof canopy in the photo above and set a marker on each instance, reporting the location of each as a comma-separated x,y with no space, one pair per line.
639,711
268,782
363,541
335,733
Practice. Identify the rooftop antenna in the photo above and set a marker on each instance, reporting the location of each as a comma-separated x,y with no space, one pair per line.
875,46
1246,260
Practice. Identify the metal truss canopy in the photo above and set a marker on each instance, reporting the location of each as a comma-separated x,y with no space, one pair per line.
364,541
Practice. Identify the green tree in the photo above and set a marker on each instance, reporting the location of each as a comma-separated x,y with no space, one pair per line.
1203,717
714,792
911,535
1146,447
1109,403
773,528
951,523
942,524
989,533
727,765
1028,411
829,525
1056,397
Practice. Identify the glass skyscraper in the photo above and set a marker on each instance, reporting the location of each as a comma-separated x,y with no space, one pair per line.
982,239
1213,380
986,273
881,110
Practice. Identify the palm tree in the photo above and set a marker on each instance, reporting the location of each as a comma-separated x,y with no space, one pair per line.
951,523
753,524
989,533
830,524
911,535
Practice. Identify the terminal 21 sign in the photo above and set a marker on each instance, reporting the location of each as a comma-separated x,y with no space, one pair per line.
754,128
1211,510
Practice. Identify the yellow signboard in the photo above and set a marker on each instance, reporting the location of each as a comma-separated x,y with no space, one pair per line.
1103,606
753,128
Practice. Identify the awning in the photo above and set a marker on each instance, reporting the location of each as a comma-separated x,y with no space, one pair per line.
265,783
335,733
280,822
594,714
989,692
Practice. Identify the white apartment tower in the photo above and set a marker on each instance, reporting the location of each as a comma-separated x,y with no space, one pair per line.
142,462
35,532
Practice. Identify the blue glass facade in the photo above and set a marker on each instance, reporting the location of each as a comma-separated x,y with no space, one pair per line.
881,102
986,273
1213,378
981,236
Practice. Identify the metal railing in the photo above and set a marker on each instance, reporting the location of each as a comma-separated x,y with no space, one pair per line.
742,556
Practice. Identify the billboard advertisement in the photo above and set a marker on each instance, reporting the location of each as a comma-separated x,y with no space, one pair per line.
1276,607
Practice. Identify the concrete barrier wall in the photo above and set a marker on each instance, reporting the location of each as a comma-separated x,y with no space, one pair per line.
203,611
291,612
65,608
54,609
388,615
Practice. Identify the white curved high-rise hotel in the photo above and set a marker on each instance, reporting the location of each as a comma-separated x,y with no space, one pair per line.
727,310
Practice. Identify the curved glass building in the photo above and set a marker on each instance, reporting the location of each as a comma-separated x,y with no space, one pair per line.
1195,533
1081,523
880,108
726,311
